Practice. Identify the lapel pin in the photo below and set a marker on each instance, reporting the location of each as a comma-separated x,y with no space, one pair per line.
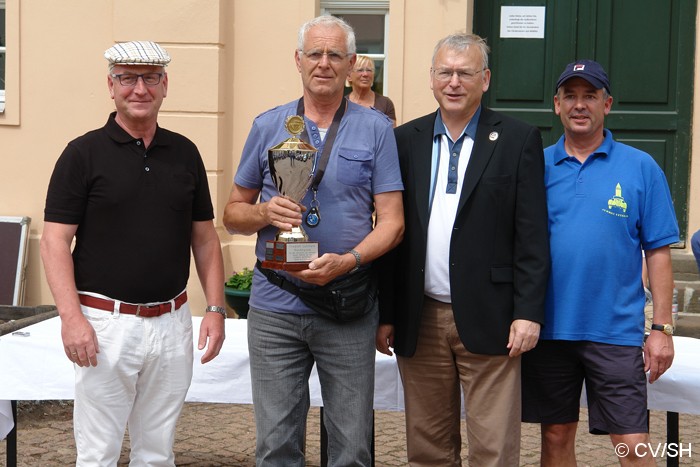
493,136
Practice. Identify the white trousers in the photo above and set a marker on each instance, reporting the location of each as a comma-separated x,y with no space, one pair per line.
143,372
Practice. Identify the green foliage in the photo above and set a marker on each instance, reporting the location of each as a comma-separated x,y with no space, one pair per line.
242,280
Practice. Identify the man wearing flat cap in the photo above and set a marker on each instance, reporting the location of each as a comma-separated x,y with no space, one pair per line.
607,203
135,198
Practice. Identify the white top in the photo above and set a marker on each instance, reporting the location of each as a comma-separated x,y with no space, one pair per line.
442,219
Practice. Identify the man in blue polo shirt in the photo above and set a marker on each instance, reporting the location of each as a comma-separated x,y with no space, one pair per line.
285,336
695,245
607,202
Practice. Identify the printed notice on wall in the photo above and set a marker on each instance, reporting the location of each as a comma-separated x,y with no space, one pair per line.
522,22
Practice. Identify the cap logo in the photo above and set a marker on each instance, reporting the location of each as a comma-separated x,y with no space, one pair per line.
589,70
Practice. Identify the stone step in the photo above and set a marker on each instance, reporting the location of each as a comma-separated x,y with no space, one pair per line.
688,296
686,277
684,266
687,281
688,325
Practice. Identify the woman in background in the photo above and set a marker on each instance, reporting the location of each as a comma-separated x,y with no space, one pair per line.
361,79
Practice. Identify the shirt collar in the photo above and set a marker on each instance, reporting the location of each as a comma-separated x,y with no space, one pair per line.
470,130
119,135
603,150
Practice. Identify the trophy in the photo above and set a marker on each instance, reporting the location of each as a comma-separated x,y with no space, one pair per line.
292,166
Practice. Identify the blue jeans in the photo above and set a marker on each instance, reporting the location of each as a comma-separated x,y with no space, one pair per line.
695,245
283,349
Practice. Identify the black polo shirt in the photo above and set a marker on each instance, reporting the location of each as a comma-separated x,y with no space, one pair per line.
134,207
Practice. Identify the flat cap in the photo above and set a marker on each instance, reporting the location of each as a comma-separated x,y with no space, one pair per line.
137,53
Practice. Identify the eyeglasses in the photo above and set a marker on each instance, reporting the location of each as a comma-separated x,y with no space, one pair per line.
130,79
364,70
445,74
316,56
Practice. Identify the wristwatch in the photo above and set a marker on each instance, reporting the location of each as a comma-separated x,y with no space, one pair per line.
217,309
665,328
357,260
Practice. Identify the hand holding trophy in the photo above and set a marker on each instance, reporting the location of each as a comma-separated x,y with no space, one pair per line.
292,166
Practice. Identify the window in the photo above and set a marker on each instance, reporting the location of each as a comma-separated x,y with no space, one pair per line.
3,41
370,20
9,62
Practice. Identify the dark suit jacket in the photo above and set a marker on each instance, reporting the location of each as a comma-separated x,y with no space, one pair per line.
499,249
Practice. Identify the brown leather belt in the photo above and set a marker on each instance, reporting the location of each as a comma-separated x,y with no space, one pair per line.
146,311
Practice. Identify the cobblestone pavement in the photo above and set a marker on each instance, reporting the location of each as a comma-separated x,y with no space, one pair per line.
217,435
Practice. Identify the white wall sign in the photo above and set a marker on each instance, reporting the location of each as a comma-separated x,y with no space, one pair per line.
522,22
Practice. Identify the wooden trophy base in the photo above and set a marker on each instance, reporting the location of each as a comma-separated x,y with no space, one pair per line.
289,256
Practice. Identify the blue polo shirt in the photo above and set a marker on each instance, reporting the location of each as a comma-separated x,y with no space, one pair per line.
602,214
363,163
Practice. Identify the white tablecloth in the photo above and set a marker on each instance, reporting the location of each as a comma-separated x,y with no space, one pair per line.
34,367
6,423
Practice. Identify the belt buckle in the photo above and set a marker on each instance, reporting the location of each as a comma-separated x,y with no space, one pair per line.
141,306
157,307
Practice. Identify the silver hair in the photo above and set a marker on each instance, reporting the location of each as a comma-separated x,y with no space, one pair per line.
460,41
328,20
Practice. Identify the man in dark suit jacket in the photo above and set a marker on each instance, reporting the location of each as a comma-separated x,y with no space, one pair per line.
462,297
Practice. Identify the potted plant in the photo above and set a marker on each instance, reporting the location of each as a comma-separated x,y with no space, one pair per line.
237,290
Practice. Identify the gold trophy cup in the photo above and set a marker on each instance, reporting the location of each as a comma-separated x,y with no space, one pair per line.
292,166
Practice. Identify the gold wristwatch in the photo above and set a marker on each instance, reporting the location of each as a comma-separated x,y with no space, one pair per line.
665,328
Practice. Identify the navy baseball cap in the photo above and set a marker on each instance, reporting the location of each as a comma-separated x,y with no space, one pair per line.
589,70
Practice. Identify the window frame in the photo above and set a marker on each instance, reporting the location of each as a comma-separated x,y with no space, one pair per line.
11,114
365,7
3,51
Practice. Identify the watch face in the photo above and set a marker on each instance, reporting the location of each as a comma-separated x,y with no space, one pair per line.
665,328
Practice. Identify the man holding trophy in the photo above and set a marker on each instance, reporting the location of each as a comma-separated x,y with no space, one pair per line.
328,165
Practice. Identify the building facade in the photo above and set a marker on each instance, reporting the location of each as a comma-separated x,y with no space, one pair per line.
232,59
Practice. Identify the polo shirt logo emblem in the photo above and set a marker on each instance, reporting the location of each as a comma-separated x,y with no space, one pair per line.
617,206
